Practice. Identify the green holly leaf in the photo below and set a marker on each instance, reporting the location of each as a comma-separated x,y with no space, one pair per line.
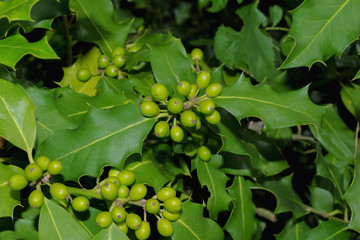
242,222
321,29
215,180
217,5
111,233
25,227
17,116
351,97
100,140
97,24
277,110
16,9
294,230
170,64
352,197
276,14
192,225
57,223
321,199
357,76
329,230
9,197
14,47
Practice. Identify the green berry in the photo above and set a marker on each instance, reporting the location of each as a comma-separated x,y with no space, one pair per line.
123,227
175,105
17,182
183,88
113,172
123,191
83,75
165,227
103,61
171,216
207,106
193,90
190,149
127,177
43,162
133,221
36,199
33,172
143,232
188,118
213,90
197,54
162,129
213,118
118,51
177,134
159,91
80,204
203,79
173,204
111,71
118,214
55,167
138,192
152,206
104,219
148,99
198,124
109,191
165,193
119,60
204,153
114,180
59,191
149,109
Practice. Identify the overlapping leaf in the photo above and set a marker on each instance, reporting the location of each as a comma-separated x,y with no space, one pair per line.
16,9
105,137
352,197
111,233
351,99
294,230
322,28
329,230
277,110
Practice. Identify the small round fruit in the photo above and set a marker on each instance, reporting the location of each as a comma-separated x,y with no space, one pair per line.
138,192
59,191
118,51
171,216
207,106
55,167
198,124
126,177
33,172
197,54
204,153
103,61
175,105
43,162
165,227
149,109
188,118
183,88
104,219
190,149
213,118
203,79
162,129
83,74
165,193
119,60
152,206
114,180
17,182
133,221
193,90
213,90
144,231
111,71
36,199
113,172
123,191
148,99
123,227
109,191
173,204
118,214
80,204
159,91
177,134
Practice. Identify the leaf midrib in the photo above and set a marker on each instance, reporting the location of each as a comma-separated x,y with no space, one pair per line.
185,225
52,219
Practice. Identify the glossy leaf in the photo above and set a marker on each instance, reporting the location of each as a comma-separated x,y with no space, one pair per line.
101,139
277,110
217,5
241,223
17,116
14,47
351,99
57,223
170,64
357,76
329,230
321,199
16,9
322,28
9,198
352,197
276,14
25,227
97,24
294,230
215,180
192,225
111,233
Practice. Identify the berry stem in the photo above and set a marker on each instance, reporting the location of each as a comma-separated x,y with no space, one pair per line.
31,159
84,192
202,98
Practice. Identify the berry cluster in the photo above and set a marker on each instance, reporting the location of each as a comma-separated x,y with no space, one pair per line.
110,66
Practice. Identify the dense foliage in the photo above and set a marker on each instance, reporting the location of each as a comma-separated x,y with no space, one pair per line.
153,119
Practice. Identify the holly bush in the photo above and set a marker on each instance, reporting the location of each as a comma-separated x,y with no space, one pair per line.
208,119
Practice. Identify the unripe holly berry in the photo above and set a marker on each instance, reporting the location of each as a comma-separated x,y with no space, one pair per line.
103,61
114,172
118,214
111,71
183,88
159,91
213,118
118,51
207,106
213,90
149,109
80,204
123,227
127,177
188,118
36,199
114,180
83,74
165,193
162,129
138,192
198,124
175,105
171,216
133,221
148,99
33,172
193,90
197,54
55,167
119,61
109,191
165,227
59,191
123,191
17,182
144,231
104,219
203,79
190,149
177,134
152,206
204,153
43,162
173,204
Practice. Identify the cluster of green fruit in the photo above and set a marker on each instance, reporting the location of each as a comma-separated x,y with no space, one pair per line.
115,188
109,66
